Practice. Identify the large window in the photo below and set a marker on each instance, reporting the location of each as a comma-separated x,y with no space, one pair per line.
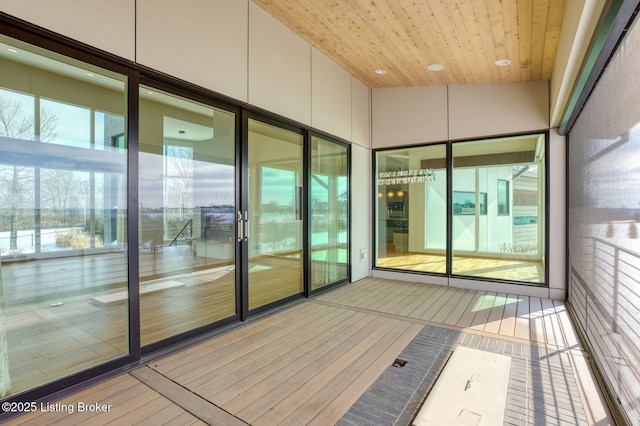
411,209
490,181
63,217
489,244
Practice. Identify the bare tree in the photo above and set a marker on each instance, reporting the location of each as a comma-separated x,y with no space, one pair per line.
16,181
13,123
61,192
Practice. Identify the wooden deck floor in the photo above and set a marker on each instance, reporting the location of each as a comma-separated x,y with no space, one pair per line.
309,363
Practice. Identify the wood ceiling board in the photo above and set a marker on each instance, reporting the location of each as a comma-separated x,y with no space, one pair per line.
405,36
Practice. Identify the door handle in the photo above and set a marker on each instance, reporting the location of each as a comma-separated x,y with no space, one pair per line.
239,227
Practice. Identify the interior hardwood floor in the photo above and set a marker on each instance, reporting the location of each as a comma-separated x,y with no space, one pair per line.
504,268
307,364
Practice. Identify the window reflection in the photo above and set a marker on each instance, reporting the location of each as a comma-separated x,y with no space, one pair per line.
329,213
502,175
63,219
411,209
186,225
497,205
275,213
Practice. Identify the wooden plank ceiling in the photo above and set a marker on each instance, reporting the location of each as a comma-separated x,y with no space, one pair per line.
404,37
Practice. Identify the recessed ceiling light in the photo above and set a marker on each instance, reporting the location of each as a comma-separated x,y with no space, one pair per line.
435,67
381,71
12,50
503,62
89,74
150,92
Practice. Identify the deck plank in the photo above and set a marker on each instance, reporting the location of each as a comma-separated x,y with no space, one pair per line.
508,323
463,305
221,356
445,309
192,403
95,393
552,329
380,295
260,362
170,415
423,309
141,412
399,299
436,306
569,334
314,396
522,331
424,292
179,365
536,320
269,391
492,324
483,311
279,369
466,319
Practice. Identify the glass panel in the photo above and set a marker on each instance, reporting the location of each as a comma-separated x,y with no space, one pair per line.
65,124
275,213
501,176
503,197
187,196
411,209
63,217
329,212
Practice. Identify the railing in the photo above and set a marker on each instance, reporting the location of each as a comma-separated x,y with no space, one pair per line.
30,243
605,296
184,236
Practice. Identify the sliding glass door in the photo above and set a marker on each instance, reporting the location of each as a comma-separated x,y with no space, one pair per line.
274,215
136,214
186,218
329,201
63,217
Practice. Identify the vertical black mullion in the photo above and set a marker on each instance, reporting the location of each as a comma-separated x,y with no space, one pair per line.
373,255
242,203
133,107
449,250
547,207
349,245
306,216
567,251
37,196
